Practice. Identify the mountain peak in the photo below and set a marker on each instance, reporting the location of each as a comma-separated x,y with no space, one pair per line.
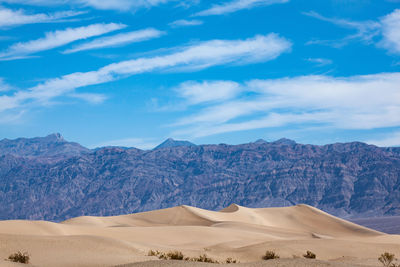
260,141
285,141
170,142
55,137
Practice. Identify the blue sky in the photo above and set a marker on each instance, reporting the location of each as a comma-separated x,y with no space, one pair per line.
135,72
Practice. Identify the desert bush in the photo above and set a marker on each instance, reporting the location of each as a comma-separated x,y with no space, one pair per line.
163,256
230,260
205,258
153,253
19,257
175,255
270,255
387,259
172,255
309,255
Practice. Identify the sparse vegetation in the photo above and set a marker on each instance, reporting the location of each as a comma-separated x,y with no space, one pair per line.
21,257
205,258
309,255
177,255
387,260
153,253
230,260
270,255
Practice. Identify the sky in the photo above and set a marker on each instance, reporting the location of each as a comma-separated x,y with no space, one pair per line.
136,72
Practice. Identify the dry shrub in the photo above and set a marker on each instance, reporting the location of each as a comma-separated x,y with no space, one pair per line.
230,260
175,255
153,253
270,255
19,257
205,258
309,255
387,260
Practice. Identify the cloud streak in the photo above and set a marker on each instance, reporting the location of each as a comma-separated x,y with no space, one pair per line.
4,86
208,91
260,48
391,32
121,5
117,40
320,62
236,5
13,18
185,23
387,27
57,39
357,102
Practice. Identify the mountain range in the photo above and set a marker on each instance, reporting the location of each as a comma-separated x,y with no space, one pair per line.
49,178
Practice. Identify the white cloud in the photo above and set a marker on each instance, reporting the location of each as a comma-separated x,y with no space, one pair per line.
184,23
320,61
4,86
12,18
117,40
202,55
236,5
357,102
89,97
208,91
391,32
390,140
121,5
141,143
57,39
365,30
388,27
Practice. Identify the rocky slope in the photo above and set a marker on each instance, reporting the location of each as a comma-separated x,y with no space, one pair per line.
346,179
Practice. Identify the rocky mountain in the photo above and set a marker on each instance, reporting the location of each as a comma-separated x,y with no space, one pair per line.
173,143
51,146
346,179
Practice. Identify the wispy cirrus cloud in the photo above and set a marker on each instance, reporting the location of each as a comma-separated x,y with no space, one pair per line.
320,62
4,86
357,102
365,30
387,28
12,18
391,32
236,5
89,97
185,23
117,40
120,5
57,39
207,91
202,55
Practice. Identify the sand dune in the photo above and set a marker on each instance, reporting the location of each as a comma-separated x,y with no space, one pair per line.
238,232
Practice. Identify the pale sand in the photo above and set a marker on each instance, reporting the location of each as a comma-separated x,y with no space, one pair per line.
237,232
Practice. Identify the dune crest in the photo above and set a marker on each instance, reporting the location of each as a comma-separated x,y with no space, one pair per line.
236,231
301,218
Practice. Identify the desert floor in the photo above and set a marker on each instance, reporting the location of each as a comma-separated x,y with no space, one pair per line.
241,233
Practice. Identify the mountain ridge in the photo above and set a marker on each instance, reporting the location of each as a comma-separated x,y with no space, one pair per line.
170,142
345,179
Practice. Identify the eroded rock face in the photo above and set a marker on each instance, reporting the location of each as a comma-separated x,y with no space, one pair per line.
350,179
52,147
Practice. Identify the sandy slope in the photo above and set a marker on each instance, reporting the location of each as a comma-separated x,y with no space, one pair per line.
238,232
